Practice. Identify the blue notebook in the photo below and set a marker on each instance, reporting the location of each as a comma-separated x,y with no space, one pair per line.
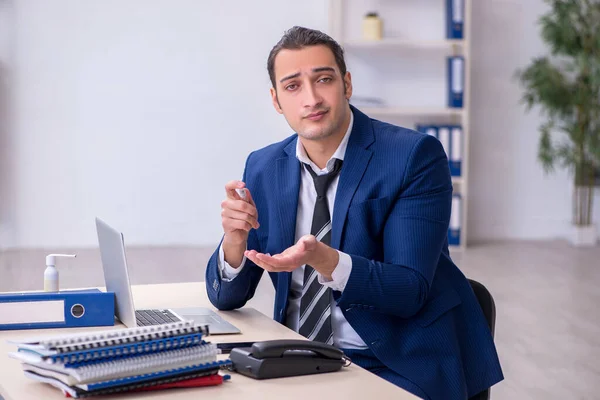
128,367
124,385
84,357
93,340
100,360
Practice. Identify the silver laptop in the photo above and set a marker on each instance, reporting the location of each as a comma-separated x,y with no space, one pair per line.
116,276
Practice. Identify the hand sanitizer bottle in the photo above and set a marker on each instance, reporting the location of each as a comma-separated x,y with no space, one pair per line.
51,273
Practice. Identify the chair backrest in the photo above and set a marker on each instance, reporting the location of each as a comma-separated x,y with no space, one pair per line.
486,301
488,306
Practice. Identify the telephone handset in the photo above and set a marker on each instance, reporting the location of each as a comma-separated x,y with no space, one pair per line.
279,358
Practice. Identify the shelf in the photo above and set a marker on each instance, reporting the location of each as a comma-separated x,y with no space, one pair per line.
422,55
407,111
403,44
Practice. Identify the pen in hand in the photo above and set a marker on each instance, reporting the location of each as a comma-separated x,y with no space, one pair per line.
242,194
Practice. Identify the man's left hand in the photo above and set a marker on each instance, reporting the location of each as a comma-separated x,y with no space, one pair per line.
307,250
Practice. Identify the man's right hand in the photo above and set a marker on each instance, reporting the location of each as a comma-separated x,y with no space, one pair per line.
238,216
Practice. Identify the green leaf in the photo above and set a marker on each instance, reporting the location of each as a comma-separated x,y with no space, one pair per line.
547,86
546,152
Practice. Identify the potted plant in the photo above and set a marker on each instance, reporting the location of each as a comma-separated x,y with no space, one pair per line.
566,87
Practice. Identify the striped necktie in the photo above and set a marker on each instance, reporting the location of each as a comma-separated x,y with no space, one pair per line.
315,302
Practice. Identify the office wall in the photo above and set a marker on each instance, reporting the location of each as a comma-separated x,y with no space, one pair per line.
510,195
139,112
6,176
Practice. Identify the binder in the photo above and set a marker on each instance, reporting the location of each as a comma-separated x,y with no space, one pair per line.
456,81
64,309
456,146
428,129
444,138
455,221
455,15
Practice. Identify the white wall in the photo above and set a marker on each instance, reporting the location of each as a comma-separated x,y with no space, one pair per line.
6,164
510,197
138,112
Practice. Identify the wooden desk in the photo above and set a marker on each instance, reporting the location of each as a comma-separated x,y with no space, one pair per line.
349,383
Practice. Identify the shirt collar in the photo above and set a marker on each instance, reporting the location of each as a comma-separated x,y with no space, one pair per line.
338,154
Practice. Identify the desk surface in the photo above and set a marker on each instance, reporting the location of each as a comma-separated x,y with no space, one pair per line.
352,382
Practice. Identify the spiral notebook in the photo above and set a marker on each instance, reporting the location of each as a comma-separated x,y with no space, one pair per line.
196,379
86,363
122,367
86,341
76,358
213,367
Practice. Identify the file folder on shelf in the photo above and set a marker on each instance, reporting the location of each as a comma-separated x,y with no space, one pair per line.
455,14
444,138
455,221
450,136
428,129
456,145
64,309
456,81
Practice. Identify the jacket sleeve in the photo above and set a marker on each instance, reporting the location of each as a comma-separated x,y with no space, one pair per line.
414,235
234,293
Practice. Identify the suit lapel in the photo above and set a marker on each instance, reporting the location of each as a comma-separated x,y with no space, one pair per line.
286,191
356,160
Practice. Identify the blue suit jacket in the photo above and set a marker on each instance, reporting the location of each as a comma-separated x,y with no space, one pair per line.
405,297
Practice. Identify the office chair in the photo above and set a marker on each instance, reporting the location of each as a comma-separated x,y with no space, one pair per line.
486,301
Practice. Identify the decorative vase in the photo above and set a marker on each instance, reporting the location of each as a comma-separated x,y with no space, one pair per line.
583,236
583,231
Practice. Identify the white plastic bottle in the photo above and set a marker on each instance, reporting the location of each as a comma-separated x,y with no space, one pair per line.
51,273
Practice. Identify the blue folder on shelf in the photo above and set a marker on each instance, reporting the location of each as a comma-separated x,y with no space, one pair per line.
455,17
456,81
428,129
455,221
451,138
63,309
456,150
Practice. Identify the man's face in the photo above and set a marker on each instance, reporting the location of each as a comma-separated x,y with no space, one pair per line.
310,91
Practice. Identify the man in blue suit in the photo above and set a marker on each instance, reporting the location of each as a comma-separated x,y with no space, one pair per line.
350,218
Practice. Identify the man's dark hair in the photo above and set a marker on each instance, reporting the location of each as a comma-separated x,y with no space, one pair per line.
299,37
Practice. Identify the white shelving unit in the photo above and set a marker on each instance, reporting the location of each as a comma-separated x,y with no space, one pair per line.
412,46
422,112
403,44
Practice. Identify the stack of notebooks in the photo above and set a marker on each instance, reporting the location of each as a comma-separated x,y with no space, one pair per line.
124,360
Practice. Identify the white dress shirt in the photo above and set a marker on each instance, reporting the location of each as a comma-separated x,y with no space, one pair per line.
344,336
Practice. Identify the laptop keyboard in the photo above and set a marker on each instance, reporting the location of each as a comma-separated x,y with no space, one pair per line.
154,317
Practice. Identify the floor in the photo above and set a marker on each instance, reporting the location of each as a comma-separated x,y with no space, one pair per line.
547,300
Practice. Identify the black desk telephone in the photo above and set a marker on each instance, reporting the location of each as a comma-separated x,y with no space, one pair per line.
279,358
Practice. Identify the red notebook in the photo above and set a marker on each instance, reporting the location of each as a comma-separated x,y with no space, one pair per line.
197,381
200,381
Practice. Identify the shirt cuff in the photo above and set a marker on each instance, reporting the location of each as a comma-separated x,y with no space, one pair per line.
340,275
227,272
